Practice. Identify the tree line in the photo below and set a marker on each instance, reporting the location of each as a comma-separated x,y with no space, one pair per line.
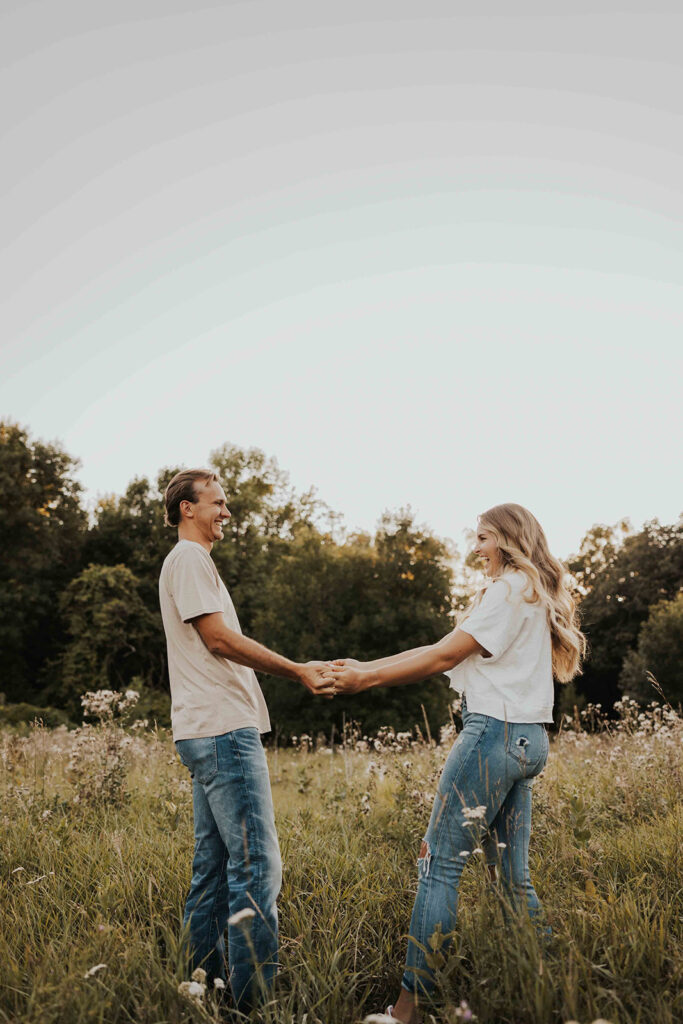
79,603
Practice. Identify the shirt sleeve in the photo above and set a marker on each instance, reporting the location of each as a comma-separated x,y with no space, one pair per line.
195,590
497,619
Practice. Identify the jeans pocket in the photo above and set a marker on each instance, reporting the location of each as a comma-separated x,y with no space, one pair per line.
528,745
199,757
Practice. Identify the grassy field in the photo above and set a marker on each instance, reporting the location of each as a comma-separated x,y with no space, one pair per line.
95,858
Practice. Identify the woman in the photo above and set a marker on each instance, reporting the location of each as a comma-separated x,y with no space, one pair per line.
520,631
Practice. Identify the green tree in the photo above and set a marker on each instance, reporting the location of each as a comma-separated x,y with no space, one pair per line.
40,541
620,580
266,514
365,598
659,651
111,633
129,530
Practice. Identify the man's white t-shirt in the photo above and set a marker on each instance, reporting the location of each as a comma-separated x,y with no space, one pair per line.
516,683
209,694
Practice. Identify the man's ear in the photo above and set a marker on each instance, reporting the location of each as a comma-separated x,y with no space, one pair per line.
187,509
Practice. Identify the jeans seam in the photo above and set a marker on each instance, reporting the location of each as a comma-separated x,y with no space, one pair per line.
221,880
442,815
256,869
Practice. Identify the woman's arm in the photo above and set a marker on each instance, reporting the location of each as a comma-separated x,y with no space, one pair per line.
392,659
410,666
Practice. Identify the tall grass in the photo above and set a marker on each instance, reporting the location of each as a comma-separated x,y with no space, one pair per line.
102,880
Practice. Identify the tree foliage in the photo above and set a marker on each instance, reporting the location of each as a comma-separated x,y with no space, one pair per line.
659,652
621,575
366,598
40,542
111,633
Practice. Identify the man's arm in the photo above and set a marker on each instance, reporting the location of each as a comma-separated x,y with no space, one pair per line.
226,643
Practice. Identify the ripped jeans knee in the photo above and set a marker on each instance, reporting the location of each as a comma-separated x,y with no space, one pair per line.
425,859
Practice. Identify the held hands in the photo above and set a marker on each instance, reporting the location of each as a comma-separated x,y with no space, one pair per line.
348,675
315,676
329,678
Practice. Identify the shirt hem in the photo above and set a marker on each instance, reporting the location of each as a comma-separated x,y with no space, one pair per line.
182,734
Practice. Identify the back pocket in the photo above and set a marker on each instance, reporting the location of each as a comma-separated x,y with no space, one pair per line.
528,744
199,757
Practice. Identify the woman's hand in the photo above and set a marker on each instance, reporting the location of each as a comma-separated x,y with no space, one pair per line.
347,662
348,679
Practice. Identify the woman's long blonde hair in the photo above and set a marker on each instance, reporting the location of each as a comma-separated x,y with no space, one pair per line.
523,545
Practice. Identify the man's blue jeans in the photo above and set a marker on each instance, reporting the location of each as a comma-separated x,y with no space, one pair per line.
236,862
489,771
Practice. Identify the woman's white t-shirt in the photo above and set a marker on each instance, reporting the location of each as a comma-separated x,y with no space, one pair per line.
516,683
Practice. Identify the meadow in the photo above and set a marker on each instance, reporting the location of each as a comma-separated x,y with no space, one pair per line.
95,860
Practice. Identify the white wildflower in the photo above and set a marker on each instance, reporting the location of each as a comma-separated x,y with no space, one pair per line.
474,813
218,983
242,915
477,849
379,1018
192,990
501,846
95,970
199,974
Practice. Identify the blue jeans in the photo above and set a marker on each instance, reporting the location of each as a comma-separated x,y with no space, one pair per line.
236,862
490,771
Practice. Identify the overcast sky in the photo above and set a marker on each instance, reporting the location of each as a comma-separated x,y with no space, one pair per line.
425,253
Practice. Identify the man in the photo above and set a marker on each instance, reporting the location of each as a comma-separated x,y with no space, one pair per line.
218,712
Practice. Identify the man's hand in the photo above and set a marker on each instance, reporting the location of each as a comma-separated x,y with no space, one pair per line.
347,662
317,678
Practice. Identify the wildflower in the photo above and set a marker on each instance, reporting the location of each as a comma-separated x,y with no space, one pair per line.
95,970
199,974
379,1018
218,983
477,849
192,990
474,813
463,1011
242,915
464,853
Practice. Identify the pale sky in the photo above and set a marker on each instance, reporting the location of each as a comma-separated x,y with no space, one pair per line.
425,254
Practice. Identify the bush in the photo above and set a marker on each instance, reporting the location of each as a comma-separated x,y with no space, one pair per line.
24,714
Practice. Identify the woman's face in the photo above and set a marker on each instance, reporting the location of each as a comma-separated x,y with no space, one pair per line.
488,551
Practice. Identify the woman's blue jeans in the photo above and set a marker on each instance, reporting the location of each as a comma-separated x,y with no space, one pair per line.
491,766
236,862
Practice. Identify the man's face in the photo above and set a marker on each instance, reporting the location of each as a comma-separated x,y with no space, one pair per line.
210,511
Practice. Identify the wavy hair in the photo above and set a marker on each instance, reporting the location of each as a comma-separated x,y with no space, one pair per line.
522,545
